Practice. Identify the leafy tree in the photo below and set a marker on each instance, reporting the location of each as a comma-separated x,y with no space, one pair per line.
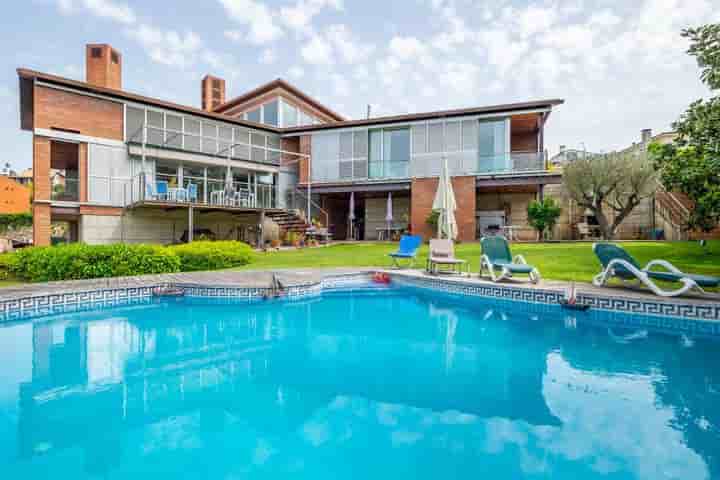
615,182
691,164
543,216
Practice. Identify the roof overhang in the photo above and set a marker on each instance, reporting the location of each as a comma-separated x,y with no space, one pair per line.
396,186
529,178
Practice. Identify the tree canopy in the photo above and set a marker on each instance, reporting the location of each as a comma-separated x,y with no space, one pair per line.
691,164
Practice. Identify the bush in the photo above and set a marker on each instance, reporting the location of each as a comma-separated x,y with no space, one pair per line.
80,261
7,265
204,255
15,220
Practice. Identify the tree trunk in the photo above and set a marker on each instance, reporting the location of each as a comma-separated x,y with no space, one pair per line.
606,229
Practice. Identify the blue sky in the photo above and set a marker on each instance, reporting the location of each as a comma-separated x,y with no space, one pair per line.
619,65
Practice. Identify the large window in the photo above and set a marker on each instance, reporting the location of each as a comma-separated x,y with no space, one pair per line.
290,115
493,146
253,115
389,153
270,113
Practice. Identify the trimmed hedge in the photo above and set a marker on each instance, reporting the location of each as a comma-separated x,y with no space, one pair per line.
76,261
208,255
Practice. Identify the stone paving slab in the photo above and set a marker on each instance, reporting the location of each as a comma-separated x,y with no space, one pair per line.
225,278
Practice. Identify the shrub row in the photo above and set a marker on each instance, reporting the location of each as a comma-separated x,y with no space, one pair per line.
207,255
80,261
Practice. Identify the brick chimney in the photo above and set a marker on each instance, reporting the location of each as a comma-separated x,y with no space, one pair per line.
103,66
645,135
212,92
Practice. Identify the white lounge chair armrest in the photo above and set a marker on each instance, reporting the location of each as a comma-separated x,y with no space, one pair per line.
664,264
519,259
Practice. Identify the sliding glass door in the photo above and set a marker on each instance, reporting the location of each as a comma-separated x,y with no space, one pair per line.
493,146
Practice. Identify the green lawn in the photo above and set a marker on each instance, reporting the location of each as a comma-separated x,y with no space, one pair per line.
559,261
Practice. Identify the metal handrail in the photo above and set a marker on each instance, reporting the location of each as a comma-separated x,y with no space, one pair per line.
305,200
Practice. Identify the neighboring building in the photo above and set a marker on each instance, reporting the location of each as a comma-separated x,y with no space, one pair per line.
147,170
14,197
24,177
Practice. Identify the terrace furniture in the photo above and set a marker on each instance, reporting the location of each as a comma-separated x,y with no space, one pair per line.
442,252
161,190
496,257
217,197
192,192
617,262
407,249
177,194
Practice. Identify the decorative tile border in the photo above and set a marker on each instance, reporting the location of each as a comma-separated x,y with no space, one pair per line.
672,314
658,308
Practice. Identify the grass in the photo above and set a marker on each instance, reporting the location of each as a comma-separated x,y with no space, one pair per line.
557,261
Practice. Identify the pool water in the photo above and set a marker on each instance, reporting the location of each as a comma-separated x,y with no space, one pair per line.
396,383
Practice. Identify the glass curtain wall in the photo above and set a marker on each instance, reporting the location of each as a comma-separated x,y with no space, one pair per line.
493,148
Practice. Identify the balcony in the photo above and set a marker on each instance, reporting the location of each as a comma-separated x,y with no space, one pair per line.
65,189
143,190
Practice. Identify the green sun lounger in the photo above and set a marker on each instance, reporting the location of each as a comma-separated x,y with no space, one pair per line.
498,261
617,262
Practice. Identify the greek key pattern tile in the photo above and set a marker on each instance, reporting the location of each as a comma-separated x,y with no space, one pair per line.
62,302
660,308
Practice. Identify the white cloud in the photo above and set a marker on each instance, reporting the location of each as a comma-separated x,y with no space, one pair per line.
407,48
116,11
296,71
317,51
299,17
268,56
536,19
348,48
168,47
257,17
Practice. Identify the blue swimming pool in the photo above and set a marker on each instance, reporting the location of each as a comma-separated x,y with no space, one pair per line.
395,383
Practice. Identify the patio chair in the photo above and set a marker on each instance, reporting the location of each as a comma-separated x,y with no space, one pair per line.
192,192
442,252
617,262
161,190
498,261
407,249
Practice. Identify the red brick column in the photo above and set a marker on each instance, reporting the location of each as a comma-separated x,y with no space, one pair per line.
41,191
422,195
304,162
41,224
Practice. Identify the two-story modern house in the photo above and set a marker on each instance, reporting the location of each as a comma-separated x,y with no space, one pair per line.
140,169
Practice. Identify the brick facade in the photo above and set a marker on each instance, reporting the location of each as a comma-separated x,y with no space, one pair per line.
212,92
103,66
78,113
421,200
104,211
304,162
41,224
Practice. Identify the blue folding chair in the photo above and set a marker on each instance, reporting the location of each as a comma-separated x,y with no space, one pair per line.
161,190
192,192
408,248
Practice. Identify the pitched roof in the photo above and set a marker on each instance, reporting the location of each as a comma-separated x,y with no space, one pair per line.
278,83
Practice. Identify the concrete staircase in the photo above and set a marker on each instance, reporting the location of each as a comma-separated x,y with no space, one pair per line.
289,220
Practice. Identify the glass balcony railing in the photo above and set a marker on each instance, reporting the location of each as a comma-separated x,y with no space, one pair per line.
67,190
214,193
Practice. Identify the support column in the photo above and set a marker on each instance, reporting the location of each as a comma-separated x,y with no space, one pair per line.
191,224
41,224
261,230
541,193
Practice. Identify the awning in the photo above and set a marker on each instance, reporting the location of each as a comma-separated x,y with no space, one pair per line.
367,187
